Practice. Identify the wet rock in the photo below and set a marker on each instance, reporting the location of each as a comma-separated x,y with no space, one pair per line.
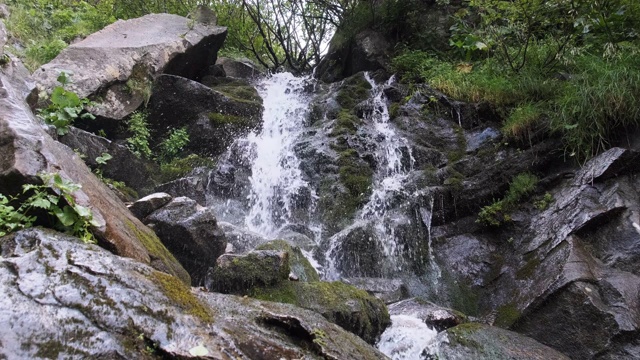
387,290
476,341
123,166
213,117
192,187
238,274
243,68
148,204
191,233
357,252
67,299
298,263
242,240
351,308
28,150
476,140
436,317
116,66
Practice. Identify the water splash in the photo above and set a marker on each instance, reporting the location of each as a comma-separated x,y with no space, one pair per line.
427,218
276,179
408,338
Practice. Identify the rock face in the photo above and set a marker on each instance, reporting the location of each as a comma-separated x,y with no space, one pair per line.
298,264
117,65
238,274
28,150
123,166
191,233
243,69
148,204
213,116
66,299
475,341
434,316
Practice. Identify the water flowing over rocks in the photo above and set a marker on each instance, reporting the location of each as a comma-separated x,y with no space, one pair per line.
124,58
65,299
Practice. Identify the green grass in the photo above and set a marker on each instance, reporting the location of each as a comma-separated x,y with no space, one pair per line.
522,120
499,211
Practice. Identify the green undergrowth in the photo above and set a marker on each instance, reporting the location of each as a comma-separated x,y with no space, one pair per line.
500,211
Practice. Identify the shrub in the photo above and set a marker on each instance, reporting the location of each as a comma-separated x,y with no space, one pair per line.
173,144
54,199
65,107
138,140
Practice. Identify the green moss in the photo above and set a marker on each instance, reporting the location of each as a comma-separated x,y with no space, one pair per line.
462,335
507,315
346,123
218,119
242,273
180,167
240,92
394,109
342,304
50,349
180,294
500,211
298,264
527,271
354,90
157,251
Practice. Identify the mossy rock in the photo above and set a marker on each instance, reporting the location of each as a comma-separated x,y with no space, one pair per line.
239,274
354,90
240,91
161,258
180,167
299,265
351,308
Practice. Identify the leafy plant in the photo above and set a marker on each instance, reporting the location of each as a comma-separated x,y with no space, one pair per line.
54,198
65,107
499,212
173,144
138,141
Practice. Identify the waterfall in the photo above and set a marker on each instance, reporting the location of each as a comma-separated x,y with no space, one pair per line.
276,179
407,338
395,162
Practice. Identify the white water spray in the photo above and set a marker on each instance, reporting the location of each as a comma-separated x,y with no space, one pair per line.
276,177
406,338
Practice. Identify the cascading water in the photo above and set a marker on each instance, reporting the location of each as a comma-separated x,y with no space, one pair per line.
395,162
276,179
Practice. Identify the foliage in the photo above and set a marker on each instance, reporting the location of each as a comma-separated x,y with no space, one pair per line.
65,107
180,167
54,199
46,27
500,211
544,202
138,140
522,120
171,147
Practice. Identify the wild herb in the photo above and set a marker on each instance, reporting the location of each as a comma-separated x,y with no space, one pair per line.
65,107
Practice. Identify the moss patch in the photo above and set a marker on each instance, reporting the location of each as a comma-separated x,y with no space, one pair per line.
527,271
462,335
219,120
240,92
507,315
178,168
158,252
354,90
342,304
180,294
239,274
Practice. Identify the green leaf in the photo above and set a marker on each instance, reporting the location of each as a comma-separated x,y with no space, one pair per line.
41,203
82,211
67,215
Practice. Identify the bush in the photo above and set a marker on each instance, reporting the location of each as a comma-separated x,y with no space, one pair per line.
499,212
65,107
138,140
173,145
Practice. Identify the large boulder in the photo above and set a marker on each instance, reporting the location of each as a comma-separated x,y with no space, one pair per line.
301,268
241,68
239,274
342,304
116,66
214,117
482,342
67,299
191,233
27,150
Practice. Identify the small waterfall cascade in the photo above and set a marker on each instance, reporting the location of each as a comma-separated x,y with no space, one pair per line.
276,179
407,338
394,163
427,217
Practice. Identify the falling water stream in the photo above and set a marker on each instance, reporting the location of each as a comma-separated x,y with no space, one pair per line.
277,182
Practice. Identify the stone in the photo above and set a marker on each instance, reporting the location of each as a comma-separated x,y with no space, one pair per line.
353,309
242,240
436,317
191,233
300,267
238,274
3,35
148,204
482,342
213,118
387,290
28,150
192,187
242,68
123,166
116,66
67,299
